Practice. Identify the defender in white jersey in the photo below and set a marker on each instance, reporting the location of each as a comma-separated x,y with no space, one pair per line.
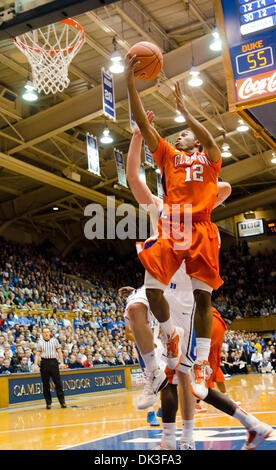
179,295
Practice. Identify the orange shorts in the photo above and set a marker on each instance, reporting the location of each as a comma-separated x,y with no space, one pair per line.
217,339
161,259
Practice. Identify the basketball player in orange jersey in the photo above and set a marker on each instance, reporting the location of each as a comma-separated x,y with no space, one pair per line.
180,298
190,171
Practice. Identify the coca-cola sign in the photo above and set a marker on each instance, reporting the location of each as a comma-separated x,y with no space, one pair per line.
254,87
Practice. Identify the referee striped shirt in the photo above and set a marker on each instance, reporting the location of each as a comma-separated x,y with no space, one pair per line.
49,348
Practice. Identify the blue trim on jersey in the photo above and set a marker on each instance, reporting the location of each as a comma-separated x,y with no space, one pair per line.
163,181
142,364
193,346
190,353
149,244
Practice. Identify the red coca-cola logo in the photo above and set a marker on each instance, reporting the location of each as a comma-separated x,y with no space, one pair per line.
259,85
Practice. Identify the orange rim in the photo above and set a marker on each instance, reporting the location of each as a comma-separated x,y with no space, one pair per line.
68,21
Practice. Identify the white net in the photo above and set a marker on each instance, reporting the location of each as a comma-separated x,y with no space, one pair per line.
50,51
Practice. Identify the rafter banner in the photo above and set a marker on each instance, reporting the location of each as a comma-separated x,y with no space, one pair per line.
108,95
93,155
120,164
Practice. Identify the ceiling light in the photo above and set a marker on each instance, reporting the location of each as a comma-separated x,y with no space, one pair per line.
226,154
216,44
117,67
273,160
55,208
242,127
29,93
195,79
117,64
106,138
225,146
179,117
158,171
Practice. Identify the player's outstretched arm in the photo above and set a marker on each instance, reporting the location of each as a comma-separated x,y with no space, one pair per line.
224,191
201,133
139,188
148,132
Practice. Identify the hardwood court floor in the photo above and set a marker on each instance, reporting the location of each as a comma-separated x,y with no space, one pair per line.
101,418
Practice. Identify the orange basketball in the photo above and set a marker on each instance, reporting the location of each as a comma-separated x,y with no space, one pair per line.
150,58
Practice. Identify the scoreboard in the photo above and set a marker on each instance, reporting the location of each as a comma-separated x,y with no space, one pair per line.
256,16
248,31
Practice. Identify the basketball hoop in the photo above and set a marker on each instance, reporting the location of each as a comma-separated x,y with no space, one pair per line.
50,52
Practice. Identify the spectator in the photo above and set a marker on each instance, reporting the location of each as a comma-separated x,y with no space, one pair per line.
79,361
229,363
256,361
66,322
66,358
98,360
273,359
72,362
6,368
22,367
88,363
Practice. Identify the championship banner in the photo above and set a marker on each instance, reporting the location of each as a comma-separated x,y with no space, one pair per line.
143,173
93,155
108,95
132,121
149,160
159,186
120,168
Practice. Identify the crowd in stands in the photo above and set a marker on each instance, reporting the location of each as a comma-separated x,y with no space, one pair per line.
98,341
31,282
84,312
243,352
249,284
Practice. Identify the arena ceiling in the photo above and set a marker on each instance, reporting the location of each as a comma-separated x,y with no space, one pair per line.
41,142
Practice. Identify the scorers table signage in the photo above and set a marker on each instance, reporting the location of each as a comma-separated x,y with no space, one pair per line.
250,31
26,388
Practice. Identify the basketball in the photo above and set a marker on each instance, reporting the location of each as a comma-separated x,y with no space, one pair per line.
150,58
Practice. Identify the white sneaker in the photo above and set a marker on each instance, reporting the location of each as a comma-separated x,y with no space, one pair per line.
174,348
187,445
154,382
162,447
257,435
200,373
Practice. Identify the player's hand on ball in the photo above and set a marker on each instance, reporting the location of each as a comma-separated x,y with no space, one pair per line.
130,64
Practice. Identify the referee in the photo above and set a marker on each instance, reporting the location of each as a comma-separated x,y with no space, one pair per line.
48,349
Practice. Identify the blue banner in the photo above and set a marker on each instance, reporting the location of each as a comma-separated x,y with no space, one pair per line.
93,155
22,389
120,168
159,186
149,160
108,95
